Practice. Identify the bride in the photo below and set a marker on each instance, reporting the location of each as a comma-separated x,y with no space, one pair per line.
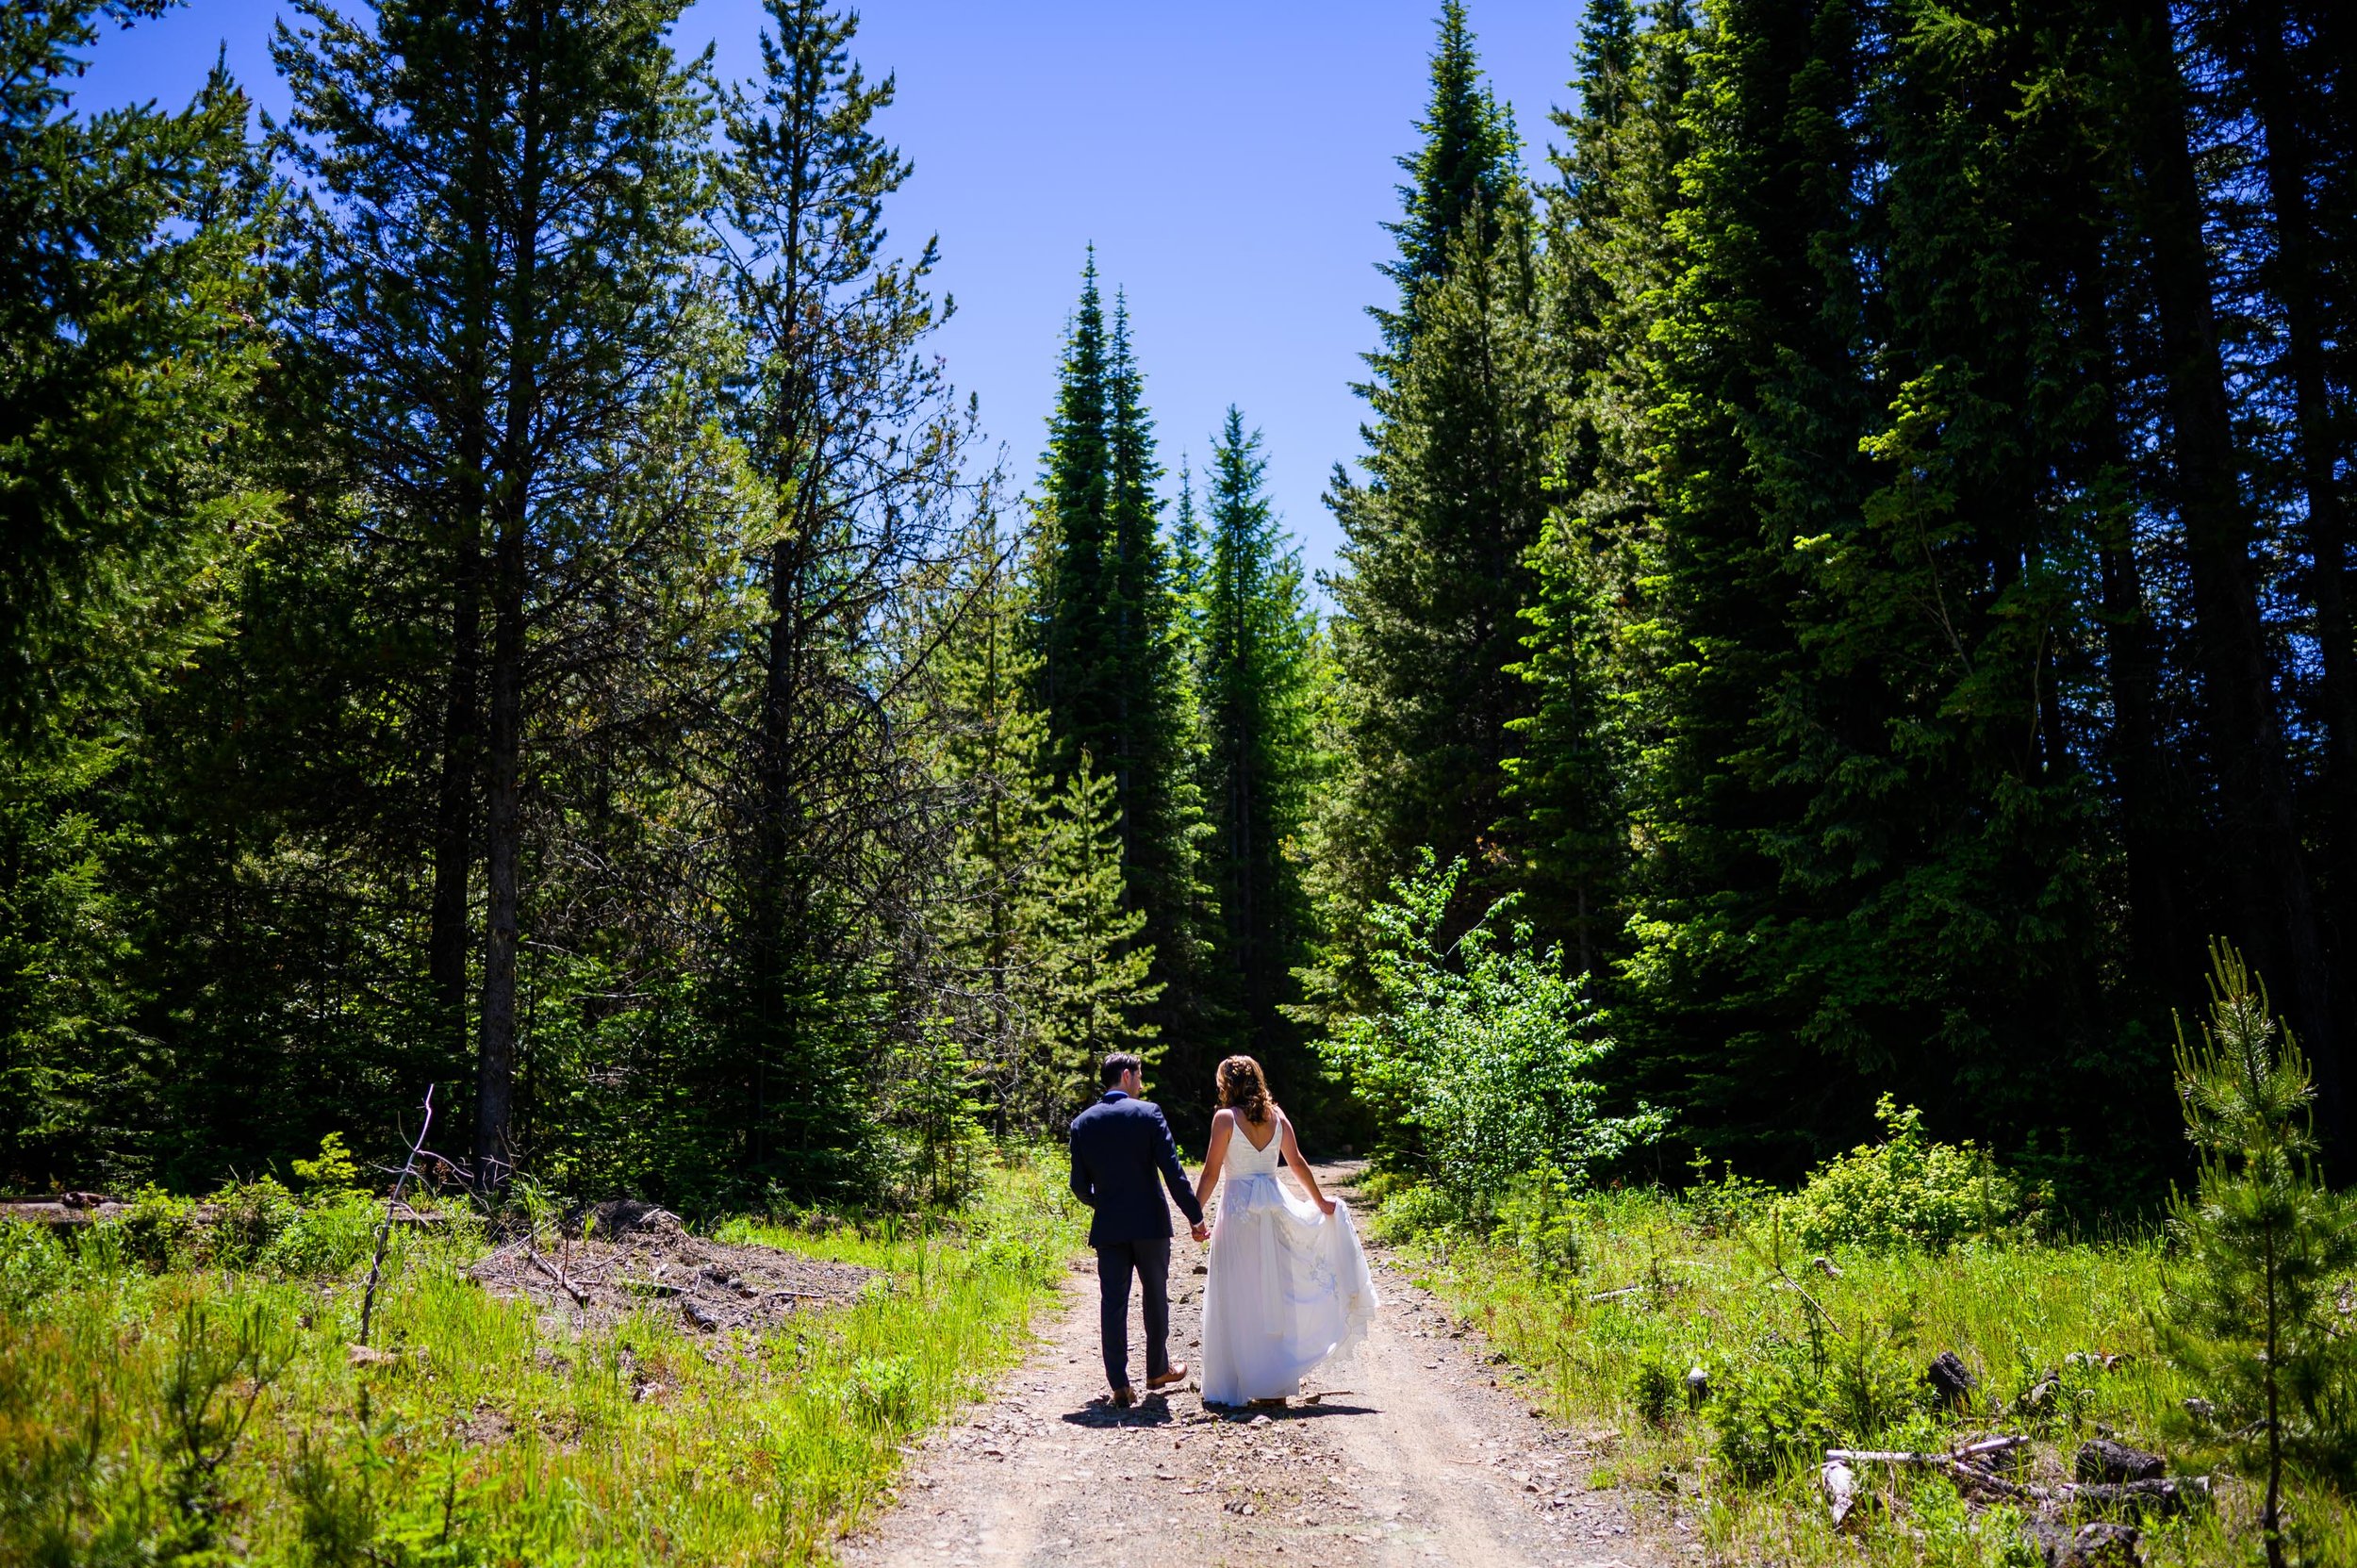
1288,1284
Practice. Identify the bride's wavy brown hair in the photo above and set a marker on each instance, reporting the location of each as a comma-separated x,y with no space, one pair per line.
1245,1089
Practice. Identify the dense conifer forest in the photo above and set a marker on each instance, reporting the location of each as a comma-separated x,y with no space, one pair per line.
571,833
498,592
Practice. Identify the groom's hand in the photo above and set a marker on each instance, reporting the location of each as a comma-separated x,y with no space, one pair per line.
1201,1231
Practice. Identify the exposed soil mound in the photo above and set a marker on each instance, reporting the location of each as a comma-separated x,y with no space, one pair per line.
639,1258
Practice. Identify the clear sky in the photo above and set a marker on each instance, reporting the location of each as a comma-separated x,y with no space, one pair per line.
1231,160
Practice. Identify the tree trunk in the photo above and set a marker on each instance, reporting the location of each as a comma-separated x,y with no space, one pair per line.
495,1082
2246,733
454,824
2275,94
495,1106
2131,659
462,718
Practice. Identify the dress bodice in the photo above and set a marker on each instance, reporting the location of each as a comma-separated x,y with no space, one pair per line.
1245,1161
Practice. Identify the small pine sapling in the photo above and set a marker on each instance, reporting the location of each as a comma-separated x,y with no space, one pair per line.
2252,1313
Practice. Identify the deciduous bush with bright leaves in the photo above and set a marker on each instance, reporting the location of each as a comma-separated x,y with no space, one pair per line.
1479,1057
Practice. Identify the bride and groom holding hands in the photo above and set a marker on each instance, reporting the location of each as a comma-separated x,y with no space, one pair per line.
1287,1283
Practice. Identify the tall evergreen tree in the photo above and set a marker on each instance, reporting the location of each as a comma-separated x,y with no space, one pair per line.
1435,574
1463,174
1090,989
858,438
1255,676
2275,918
1044,960
1112,678
1752,368
509,196
1610,257
129,354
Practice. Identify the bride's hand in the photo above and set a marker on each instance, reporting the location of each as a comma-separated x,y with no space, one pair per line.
1325,1204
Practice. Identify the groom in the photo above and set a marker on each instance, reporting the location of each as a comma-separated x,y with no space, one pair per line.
1119,1147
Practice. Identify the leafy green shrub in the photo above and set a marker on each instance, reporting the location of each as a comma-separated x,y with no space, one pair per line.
328,1237
1869,1388
162,1228
1904,1190
260,1224
1728,1203
1026,1236
253,1214
1413,1209
1781,1401
1479,1052
333,1173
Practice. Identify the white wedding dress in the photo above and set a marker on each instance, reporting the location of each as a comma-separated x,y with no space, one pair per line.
1288,1286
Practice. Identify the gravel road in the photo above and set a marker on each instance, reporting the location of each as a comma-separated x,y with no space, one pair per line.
1411,1455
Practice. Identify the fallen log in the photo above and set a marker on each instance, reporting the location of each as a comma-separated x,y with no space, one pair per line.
1987,1449
1966,1467
2103,1459
2173,1495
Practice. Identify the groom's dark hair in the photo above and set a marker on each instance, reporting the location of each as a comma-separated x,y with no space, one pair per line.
1119,1062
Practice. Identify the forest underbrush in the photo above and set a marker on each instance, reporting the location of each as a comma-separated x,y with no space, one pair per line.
1714,1358
176,1395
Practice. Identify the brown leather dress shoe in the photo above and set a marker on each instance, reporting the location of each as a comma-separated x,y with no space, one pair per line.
1124,1397
1177,1373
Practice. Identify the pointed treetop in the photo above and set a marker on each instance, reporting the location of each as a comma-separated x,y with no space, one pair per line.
1135,471
1468,163
1081,398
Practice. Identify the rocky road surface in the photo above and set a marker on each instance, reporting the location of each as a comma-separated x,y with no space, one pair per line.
1412,1454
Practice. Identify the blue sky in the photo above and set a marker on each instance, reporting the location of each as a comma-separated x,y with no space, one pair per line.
1231,160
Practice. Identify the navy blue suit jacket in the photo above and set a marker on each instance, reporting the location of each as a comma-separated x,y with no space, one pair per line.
1119,1147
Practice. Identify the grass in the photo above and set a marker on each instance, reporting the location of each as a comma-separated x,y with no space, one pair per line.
124,1398
1602,1323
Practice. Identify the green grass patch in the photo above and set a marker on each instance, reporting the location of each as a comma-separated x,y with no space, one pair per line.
1621,1294
214,1415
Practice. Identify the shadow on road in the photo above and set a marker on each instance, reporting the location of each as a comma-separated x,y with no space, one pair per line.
1154,1410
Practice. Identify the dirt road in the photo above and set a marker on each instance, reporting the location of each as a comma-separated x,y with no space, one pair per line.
1412,1456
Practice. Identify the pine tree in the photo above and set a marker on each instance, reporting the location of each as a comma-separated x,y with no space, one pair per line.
1939,886
1046,960
129,355
857,436
993,763
1435,576
2266,1244
1610,256
1073,641
1435,580
1255,673
2275,911
1190,567
1113,682
1463,174
522,185
1758,401
1089,990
